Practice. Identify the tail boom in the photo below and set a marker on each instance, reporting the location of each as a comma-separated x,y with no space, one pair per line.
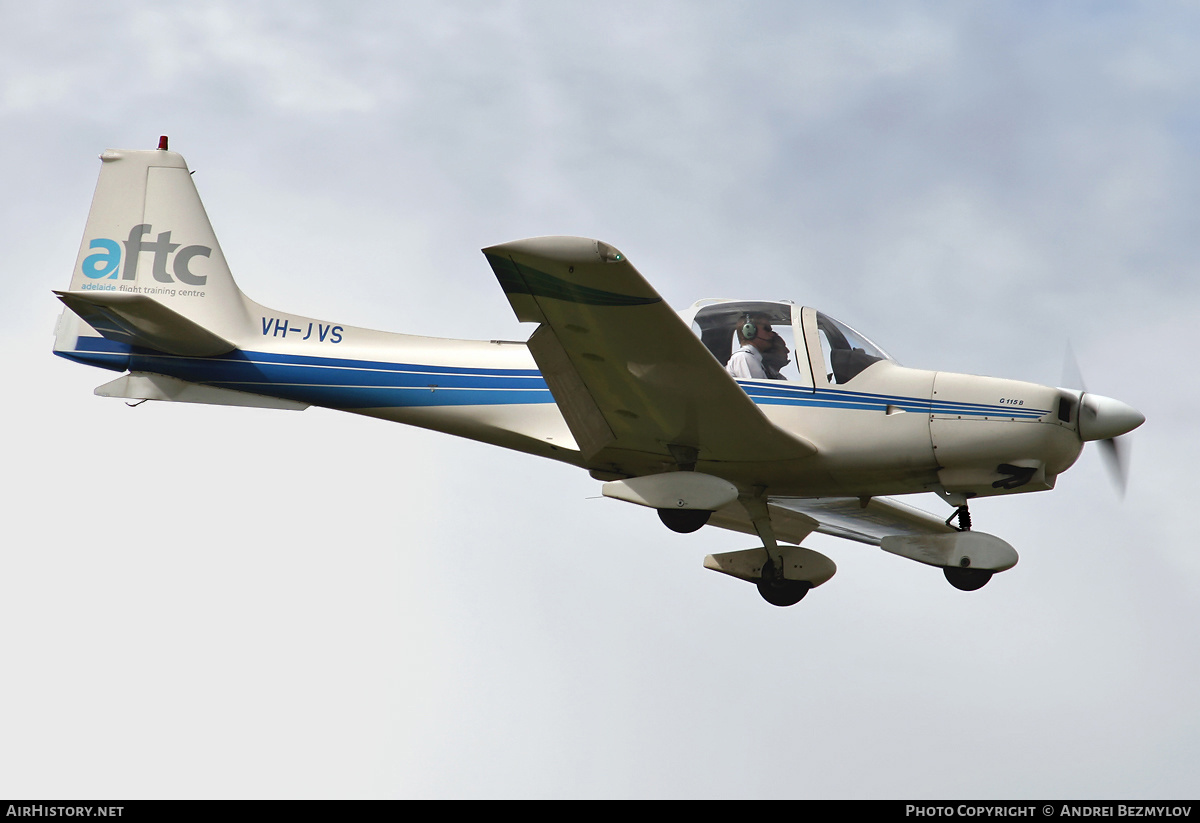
152,294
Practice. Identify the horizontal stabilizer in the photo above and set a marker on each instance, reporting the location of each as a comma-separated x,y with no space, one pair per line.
143,386
140,320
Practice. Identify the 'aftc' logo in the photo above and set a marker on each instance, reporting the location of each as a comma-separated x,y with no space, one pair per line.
105,263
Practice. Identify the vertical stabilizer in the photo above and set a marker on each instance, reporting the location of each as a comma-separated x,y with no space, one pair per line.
149,257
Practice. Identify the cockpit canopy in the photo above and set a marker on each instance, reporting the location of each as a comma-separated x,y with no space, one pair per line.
717,323
826,351
847,353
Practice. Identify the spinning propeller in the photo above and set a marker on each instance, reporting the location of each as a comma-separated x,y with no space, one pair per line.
1105,420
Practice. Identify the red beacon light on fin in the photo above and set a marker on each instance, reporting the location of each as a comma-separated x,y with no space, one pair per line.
162,143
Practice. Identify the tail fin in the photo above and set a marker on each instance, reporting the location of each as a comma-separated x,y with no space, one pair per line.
150,272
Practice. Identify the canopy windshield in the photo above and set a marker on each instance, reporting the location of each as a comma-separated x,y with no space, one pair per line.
847,352
843,352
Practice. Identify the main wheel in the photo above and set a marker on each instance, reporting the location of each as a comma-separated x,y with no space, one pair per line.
967,580
684,521
783,592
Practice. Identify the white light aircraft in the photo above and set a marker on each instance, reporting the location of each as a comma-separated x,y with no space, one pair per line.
612,380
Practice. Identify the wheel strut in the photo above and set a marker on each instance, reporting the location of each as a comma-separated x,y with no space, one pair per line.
964,518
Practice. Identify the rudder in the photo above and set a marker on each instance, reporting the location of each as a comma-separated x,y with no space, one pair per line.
150,271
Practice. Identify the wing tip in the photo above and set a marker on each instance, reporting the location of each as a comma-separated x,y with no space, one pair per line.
559,248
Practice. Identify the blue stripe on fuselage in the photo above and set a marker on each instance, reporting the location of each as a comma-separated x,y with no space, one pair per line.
353,384
359,384
789,395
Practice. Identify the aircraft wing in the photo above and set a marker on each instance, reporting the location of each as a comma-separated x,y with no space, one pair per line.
632,380
794,518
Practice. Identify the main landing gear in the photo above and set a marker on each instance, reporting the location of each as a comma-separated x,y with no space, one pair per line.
779,591
967,579
963,577
684,521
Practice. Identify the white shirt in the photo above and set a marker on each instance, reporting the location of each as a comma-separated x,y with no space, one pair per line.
746,364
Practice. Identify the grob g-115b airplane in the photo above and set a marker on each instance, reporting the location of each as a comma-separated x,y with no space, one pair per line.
612,380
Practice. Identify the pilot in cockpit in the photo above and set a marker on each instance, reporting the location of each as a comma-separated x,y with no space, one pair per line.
756,337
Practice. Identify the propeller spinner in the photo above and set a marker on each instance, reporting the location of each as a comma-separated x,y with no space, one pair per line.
1103,419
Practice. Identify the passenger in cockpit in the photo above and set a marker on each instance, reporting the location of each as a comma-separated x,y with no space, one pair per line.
776,357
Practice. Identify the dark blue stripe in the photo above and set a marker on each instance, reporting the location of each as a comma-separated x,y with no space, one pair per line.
115,362
327,381
355,384
99,351
841,399
258,373
340,362
101,344
372,397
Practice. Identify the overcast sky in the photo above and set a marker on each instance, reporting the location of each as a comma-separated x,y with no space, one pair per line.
217,602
